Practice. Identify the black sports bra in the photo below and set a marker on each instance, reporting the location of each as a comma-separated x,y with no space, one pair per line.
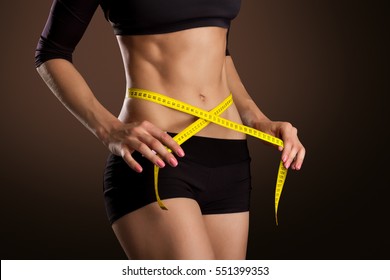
68,20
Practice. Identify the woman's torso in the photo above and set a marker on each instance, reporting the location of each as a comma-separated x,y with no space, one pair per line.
187,65
185,60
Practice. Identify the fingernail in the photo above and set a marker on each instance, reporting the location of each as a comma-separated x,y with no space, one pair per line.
138,169
160,163
180,153
284,158
173,162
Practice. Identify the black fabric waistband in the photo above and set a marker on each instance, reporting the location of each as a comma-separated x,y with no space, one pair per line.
215,151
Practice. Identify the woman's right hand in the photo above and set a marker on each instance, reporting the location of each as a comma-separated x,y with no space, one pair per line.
145,138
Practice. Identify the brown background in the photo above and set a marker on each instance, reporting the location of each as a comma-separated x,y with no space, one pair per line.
317,64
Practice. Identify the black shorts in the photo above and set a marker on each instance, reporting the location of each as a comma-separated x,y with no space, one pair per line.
214,172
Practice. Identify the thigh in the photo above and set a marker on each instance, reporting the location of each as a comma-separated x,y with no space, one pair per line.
152,233
228,234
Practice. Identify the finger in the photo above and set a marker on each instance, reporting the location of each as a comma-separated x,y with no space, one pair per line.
286,154
148,144
126,155
164,138
290,157
161,149
150,152
156,152
289,134
169,142
299,159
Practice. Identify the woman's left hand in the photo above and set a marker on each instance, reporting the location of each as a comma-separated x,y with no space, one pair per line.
293,152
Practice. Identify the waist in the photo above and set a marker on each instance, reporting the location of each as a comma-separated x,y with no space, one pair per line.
215,152
168,119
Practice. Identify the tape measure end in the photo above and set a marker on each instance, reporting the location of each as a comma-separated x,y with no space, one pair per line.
162,206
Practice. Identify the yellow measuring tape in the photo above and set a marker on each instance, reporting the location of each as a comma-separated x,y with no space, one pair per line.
205,118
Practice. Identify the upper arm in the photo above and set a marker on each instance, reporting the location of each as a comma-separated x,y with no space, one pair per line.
65,26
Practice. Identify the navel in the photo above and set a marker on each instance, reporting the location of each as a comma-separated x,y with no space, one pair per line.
202,97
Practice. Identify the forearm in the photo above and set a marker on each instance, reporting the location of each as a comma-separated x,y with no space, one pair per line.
71,89
248,110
